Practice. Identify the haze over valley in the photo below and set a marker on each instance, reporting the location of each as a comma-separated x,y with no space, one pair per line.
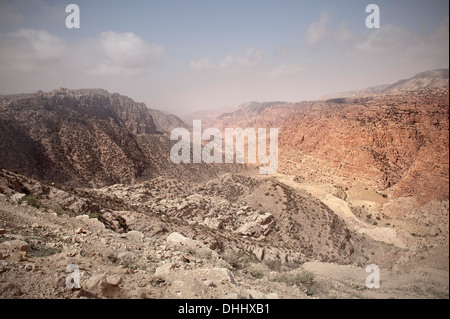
213,149
87,179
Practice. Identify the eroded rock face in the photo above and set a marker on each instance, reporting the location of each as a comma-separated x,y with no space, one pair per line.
394,142
165,122
301,227
164,237
89,138
79,136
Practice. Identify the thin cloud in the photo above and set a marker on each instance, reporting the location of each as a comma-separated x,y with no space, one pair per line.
318,30
286,69
322,31
391,45
388,48
126,53
233,62
30,50
201,64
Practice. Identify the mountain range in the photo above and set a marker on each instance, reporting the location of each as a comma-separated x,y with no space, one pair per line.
363,179
431,79
87,137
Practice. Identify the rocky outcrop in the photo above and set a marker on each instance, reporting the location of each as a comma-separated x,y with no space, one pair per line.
432,79
165,122
79,137
88,137
395,142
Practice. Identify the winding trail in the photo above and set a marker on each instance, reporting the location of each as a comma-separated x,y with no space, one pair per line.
340,207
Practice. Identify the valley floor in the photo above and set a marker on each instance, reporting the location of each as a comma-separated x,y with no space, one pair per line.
38,243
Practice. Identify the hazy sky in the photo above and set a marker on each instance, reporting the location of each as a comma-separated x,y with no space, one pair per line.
185,55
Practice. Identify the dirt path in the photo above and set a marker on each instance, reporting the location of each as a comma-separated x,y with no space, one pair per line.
343,281
324,192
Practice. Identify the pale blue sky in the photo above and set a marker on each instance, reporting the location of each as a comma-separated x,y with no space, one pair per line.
182,56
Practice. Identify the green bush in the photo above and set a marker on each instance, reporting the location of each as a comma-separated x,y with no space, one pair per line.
94,215
237,260
41,250
303,279
33,200
256,273
59,210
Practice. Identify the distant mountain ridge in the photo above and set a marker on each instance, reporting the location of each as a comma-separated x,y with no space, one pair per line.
393,136
165,122
432,79
429,79
87,137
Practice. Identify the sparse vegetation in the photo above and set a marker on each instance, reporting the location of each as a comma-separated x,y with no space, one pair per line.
33,201
301,279
273,264
94,214
150,259
41,250
256,273
59,210
237,260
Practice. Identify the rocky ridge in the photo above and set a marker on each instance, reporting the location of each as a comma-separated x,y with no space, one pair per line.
163,239
362,180
89,137
432,79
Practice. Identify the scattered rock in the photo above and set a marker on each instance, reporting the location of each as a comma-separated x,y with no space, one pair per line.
177,238
137,235
213,223
17,197
259,252
18,256
233,296
263,219
93,222
209,283
251,229
14,245
11,289
165,269
255,294
114,280
30,267
126,256
104,286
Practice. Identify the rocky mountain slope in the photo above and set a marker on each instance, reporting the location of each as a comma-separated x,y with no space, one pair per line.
396,143
87,137
83,136
231,237
361,180
164,122
432,79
